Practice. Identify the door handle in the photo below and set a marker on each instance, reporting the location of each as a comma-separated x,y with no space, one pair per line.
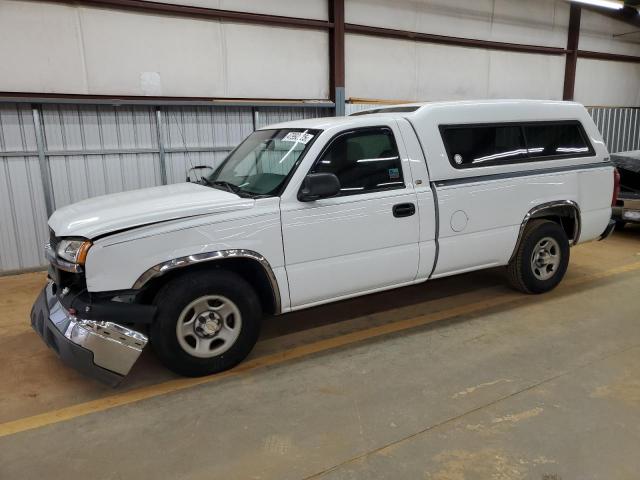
404,210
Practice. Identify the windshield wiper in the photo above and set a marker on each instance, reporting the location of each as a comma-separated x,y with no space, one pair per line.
206,181
232,188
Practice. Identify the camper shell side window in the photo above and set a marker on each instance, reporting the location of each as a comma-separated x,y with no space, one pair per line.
480,145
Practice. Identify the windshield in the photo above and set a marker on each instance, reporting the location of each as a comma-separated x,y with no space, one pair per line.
261,164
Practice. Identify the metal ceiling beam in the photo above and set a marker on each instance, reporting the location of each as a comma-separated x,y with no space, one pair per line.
454,41
613,57
573,37
117,100
336,55
145,6
486,44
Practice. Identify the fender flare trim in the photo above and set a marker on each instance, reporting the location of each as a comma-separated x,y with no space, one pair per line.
550,208
197,258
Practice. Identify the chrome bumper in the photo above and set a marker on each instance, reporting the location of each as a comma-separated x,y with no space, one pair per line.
105,351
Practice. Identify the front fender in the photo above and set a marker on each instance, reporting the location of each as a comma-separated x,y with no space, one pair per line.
118,261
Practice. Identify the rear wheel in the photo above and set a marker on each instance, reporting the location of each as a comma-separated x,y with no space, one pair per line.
541,259
207,322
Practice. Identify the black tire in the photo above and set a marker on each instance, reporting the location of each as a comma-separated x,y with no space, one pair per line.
620,224
520,270
177,294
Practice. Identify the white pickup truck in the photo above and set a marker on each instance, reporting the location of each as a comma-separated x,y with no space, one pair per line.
313,211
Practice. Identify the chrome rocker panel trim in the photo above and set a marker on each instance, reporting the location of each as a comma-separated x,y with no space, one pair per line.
103,350
548,208
164,267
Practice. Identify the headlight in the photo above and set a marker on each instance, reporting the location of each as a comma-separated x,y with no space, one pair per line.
73,250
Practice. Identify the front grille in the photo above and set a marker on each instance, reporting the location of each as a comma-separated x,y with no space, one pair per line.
53,240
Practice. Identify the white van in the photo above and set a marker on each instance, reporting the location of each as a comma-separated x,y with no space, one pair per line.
313,211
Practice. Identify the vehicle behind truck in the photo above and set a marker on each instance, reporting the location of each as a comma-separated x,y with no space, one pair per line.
627,207
314,211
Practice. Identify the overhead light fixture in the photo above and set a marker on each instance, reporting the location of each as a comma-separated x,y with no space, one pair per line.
602,3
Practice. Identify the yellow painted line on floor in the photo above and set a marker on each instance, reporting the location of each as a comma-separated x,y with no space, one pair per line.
144,393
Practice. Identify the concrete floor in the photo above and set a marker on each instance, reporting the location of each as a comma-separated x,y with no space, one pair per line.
460,378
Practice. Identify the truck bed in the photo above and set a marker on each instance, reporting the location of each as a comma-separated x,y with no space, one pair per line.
627,207
628,164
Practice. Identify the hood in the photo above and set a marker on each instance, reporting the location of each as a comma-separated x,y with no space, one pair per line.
109,213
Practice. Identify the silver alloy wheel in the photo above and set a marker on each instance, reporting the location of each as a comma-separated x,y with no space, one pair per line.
208,326
545,258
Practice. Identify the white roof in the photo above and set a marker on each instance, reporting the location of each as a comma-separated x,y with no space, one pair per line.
519,104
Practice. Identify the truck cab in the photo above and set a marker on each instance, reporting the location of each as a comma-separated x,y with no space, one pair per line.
313,211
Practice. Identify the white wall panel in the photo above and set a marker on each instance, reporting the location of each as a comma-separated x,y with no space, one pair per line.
134,54
40,48
443,17
381,68
540,22
316,9
273,62
607,83
57,48
451,73
524,75
601,34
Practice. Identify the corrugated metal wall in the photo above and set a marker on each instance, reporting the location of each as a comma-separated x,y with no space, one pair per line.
23,216
91,150
620,127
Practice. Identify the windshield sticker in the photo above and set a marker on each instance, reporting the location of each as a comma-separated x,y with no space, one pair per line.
394,173
299,137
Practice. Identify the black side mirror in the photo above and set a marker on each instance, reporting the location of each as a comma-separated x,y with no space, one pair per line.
318,185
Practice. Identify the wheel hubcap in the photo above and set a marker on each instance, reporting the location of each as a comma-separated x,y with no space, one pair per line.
208,326
545,258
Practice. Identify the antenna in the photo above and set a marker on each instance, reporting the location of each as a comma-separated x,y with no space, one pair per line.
186,151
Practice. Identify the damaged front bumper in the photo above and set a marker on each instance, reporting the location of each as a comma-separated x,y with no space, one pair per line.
102,350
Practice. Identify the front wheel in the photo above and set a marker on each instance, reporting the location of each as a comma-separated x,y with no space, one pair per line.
541,259
207,322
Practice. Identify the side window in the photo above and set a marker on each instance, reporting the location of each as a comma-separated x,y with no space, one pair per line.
553,140
364,161
483,145
480,146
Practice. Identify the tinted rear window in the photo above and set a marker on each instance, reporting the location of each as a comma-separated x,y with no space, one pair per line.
552,140
483,145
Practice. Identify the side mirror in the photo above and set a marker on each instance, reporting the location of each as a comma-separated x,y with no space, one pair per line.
318,185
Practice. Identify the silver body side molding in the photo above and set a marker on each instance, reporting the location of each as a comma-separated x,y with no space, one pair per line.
164,267
558,207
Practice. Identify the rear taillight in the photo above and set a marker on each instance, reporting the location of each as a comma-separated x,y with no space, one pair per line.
616,187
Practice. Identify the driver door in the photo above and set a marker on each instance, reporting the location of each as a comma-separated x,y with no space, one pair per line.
364,239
